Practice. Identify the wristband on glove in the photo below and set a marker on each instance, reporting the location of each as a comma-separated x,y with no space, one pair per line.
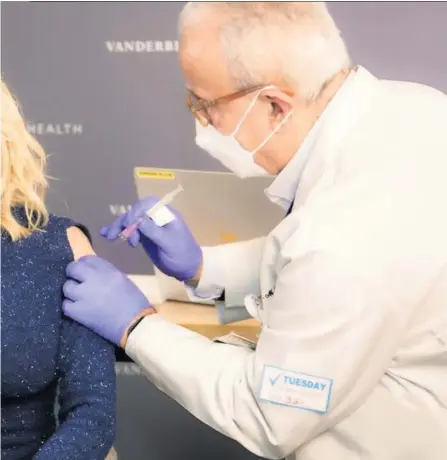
136,321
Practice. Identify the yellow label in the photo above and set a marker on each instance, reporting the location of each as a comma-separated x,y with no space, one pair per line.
144,173
228,237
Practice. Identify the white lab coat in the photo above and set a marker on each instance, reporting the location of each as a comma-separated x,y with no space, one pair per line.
358,273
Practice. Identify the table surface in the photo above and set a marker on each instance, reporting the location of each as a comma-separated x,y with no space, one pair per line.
203,320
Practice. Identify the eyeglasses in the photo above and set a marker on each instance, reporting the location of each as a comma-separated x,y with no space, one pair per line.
200,107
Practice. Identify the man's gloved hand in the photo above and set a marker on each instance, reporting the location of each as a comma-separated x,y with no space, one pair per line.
102,298
172,248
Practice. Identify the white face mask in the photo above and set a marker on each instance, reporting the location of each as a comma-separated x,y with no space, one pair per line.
227,149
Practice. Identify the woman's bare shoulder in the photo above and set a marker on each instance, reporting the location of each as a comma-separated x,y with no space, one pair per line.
80,245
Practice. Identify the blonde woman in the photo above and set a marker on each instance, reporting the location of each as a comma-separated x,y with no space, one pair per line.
46,358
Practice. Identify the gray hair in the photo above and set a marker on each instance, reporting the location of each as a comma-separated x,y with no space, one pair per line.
297,41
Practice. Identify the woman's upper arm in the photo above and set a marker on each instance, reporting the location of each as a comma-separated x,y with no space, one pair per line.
80,244
86,367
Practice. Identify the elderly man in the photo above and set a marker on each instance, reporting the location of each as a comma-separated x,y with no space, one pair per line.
350,288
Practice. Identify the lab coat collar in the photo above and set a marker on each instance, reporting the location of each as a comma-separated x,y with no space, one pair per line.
334,122
283,189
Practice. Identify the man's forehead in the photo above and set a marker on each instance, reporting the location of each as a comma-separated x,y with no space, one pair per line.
203,64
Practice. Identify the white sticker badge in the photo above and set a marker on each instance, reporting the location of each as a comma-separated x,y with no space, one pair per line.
163,217
294,389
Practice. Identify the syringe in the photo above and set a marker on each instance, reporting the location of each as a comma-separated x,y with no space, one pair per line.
152,211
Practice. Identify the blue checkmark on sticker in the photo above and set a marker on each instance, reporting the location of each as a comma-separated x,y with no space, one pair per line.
274,380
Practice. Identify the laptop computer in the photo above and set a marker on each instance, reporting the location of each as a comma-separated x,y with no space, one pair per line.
218,208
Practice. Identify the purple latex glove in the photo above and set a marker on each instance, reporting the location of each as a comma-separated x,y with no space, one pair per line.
102,298
172,248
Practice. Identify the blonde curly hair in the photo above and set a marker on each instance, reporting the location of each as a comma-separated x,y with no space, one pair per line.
23,179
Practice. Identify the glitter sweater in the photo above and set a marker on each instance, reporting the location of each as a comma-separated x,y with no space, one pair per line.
44,352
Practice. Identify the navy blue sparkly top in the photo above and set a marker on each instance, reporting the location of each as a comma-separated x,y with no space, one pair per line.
44,352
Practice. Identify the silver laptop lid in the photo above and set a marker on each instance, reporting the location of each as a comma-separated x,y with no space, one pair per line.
218,208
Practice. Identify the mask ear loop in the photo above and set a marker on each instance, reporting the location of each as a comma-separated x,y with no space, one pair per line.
250,107
272,133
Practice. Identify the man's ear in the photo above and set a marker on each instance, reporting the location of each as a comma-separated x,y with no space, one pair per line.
280,102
